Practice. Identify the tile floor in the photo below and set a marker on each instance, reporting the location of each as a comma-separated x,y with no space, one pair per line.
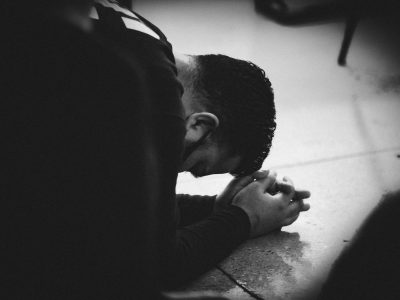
338,134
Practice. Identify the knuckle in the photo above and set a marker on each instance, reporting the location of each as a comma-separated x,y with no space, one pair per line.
273,173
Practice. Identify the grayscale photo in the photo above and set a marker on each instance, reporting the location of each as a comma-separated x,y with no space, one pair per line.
200,149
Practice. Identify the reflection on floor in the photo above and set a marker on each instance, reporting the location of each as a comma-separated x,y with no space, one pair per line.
338,134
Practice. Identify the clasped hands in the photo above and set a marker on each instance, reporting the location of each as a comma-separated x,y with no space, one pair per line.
269,203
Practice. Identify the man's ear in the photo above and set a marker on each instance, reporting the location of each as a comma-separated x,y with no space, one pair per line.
199,124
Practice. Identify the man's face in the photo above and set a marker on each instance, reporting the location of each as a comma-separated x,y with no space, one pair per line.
210,158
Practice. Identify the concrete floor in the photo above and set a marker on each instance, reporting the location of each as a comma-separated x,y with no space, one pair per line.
338,134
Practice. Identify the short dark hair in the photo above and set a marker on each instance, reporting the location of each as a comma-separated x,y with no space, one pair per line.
240,95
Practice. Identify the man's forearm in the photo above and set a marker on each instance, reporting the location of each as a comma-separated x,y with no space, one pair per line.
199,247
193,208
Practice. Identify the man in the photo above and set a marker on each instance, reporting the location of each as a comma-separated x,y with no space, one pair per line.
224,122
75,184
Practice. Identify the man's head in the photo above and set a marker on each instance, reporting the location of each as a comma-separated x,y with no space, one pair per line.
230,114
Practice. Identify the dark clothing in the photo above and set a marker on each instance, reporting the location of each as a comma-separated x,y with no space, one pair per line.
193,209
369,267
75,151
86,179
207,237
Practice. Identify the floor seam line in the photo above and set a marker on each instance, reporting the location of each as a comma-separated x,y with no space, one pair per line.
335,158
245,289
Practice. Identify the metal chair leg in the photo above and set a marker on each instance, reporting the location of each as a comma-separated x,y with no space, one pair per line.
351,24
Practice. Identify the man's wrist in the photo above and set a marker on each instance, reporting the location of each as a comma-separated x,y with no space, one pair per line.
252,217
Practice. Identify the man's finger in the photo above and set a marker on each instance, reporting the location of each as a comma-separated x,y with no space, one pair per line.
291,219
240,182
297,206
233,187
294,208
268,181
287,187
301,194
260,174
273,189
305,207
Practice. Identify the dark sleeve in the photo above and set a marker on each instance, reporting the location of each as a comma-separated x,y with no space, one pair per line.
74,186
201,246
193,208
187,252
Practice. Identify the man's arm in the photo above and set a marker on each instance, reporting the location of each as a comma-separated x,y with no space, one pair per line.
193,208
253,212
201,246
